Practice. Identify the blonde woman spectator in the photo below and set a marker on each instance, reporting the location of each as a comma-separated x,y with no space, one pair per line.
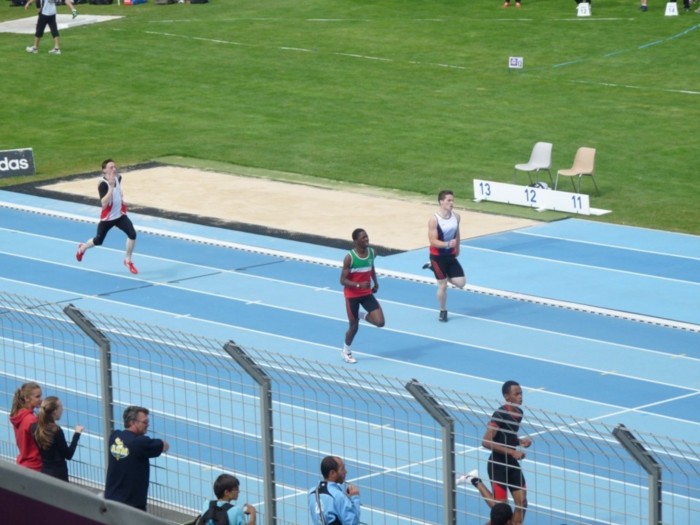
27,398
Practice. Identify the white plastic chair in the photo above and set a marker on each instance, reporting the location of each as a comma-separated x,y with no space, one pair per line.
540,160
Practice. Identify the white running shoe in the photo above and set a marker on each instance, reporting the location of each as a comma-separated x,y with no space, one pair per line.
31,49
347,357
467,478
74,13
55,51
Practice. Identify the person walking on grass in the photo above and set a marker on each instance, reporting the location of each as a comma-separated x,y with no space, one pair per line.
113,214
443,234
359,280
47,17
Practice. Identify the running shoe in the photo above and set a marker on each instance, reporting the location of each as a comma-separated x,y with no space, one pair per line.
470,477
74,13
347,357
79,254
426,266
130,266
443,316
31,49
55,51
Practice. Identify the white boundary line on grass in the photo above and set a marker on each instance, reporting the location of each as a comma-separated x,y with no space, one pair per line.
454,66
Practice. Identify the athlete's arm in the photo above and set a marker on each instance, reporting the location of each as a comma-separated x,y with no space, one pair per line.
345,273
458,236
489,443
374,280
106,190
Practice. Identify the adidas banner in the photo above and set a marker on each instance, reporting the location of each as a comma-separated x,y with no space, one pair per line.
17,162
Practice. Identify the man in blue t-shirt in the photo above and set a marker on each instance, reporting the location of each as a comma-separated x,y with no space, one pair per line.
128,470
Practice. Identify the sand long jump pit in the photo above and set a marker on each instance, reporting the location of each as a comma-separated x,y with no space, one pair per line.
322,214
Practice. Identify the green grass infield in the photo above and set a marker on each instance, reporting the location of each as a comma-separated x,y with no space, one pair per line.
409,95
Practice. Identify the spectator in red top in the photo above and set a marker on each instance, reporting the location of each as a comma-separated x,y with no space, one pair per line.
27,398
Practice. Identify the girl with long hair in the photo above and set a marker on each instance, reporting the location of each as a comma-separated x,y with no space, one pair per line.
27,398
51,440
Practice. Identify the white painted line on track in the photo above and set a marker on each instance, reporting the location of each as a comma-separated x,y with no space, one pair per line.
606,245
399,275
617,409
688,326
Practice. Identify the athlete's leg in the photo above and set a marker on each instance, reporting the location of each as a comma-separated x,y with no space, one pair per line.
459,282
374,315
130,243
455,273
353,309
125,225
520,500
90,243
499,481
102,228
518,489
485,493
352,330
442,294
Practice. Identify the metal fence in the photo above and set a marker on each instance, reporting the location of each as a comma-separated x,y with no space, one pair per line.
270,418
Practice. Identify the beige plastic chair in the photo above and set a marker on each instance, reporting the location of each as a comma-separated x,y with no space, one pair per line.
540,160
584,164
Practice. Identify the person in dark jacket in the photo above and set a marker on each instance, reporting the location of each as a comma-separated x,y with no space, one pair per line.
49,437
128,469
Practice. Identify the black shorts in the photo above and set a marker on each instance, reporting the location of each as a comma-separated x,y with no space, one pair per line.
44,21
352,305
446,267
505,478
123,223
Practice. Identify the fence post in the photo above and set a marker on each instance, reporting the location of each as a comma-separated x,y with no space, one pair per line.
649,464
105,370
439,414
260,377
